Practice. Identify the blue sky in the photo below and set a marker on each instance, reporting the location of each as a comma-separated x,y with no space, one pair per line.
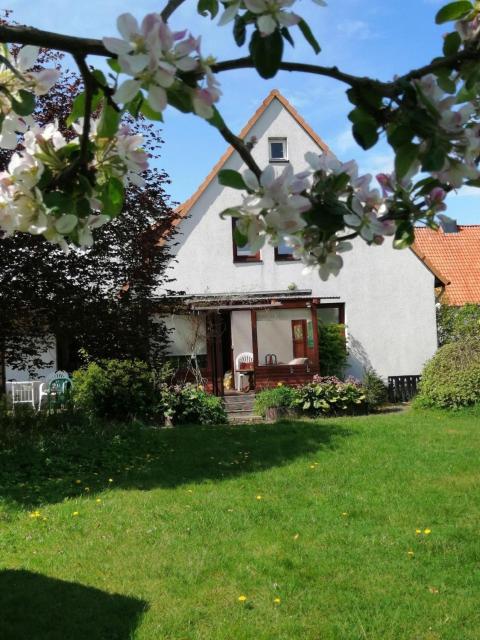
373,37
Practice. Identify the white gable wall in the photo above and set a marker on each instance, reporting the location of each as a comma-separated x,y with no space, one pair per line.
388,294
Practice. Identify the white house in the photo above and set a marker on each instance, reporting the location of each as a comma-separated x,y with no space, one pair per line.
232,302
236,302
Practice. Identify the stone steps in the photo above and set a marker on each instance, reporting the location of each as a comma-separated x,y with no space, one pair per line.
239,408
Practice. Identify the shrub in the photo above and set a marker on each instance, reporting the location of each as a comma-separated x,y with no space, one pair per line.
457,323
115,389
330,398
451,379
333,349
281,397
375,390
183,404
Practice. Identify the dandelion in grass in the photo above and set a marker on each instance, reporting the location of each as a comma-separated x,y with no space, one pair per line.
242,598
98,500
75,513
259,497
35,514
418,531
276,601
344,514
427,532
410,554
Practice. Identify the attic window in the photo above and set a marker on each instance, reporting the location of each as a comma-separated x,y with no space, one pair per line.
277,148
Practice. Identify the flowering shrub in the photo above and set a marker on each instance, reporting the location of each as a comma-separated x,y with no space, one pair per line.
332,397
189,403
451,379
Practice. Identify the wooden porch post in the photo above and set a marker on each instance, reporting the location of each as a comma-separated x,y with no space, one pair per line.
316,347
254,338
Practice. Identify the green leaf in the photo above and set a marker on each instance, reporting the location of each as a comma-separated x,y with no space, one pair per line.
286,34
150,113
59,201
266,53
447,84
207,6
433,158
404,158
112,197
404,236
453,11
109,121
24,104
216,120
133,107
114,65
466,95
78,106
239,239
239,30
231,178
99,77
180,99
400,135
308,35
452,43
365,133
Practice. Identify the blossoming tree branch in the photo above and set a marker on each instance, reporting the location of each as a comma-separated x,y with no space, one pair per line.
63,186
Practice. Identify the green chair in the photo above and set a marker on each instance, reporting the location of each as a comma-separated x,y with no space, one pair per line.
59,390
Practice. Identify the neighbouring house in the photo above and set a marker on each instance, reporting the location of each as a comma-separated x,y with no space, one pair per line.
454,252
233,301
257,315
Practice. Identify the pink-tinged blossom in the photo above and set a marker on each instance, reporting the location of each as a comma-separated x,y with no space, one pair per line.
271,14
436,199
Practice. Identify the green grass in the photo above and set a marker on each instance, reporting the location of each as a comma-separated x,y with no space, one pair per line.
164,550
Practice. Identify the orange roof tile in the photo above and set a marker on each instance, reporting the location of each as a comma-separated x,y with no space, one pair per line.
456,256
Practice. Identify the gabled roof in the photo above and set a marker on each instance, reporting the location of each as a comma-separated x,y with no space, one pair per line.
186,206
456,256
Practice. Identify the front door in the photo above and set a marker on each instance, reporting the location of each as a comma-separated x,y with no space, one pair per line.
299,337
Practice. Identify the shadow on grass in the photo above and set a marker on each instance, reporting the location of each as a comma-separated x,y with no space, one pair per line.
42,468
35,607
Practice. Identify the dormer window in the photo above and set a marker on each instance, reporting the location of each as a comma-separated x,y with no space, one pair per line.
277,149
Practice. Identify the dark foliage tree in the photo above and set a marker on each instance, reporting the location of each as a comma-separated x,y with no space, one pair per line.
101,299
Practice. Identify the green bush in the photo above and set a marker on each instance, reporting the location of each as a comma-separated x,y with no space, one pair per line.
457,323
333,349
281,397
188,404
451,379
375,390
115,389
331,398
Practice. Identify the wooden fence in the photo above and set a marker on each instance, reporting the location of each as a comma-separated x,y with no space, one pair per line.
402,388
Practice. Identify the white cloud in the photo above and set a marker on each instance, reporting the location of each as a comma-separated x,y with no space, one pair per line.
357,29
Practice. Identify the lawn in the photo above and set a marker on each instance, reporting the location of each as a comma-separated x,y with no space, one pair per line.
359,528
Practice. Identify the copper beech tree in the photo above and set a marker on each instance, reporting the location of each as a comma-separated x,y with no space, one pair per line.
64,186
101,299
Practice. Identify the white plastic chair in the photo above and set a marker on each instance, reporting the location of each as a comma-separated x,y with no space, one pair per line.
43,390
22,393
243,358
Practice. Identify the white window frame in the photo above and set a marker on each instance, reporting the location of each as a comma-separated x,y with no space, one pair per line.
285,149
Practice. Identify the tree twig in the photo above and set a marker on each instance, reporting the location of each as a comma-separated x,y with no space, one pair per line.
90,85
239,145
170,7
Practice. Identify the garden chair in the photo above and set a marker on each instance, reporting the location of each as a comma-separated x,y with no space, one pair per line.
46,389
243,363
22,393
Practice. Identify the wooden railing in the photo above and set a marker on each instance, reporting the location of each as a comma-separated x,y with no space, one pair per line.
402,388
292,374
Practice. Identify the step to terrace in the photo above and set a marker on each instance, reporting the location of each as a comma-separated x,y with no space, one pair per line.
239,408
